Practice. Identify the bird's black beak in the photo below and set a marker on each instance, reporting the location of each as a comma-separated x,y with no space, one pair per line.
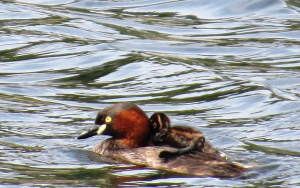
92,132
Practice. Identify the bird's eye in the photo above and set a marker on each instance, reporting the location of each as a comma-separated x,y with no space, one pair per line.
108,119
154,125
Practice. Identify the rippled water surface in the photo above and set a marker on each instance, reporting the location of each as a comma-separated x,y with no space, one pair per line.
229,68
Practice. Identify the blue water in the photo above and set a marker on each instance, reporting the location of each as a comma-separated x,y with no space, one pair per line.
228,68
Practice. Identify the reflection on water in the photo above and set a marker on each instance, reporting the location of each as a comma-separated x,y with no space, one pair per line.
229,68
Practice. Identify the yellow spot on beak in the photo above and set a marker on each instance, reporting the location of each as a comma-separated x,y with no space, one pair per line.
101,129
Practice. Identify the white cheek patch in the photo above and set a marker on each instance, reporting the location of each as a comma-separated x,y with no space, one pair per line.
101,129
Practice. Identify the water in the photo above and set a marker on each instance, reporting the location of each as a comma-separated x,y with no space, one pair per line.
229,68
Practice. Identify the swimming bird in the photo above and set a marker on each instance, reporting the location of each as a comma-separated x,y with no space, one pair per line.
129,128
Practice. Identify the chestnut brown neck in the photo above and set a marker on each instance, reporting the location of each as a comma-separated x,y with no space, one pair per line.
132,128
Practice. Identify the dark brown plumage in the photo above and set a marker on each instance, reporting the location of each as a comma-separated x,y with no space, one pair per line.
130,130
187,138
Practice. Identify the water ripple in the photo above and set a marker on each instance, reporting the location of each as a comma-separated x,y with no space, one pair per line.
230,69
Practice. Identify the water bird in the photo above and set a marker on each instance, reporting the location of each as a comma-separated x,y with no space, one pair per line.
182,137
129,128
